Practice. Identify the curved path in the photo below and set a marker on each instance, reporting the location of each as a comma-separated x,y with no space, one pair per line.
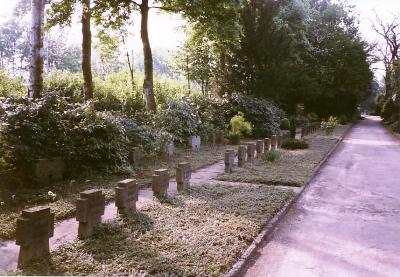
347,222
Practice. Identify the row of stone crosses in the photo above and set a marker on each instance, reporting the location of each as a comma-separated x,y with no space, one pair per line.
36,225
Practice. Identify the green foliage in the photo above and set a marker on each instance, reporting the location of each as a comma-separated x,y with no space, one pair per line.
270,156
239,128
10,85
389,110
285,124
64,84
262,114
330,125
313,117
294,144
178,118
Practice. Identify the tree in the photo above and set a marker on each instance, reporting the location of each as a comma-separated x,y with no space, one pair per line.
36,49
60,14
389,51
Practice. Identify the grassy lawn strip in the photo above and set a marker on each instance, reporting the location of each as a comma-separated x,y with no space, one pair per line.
67,192
202,232
292,168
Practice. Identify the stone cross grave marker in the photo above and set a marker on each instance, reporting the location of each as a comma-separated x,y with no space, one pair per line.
274,142
90,207
160,182
126,195
251,152
229,160
267,145
260,148
242,152
34,228
136,156
195,142
183,175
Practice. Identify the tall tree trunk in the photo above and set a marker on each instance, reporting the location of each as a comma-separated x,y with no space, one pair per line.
87,51
35,86
148,59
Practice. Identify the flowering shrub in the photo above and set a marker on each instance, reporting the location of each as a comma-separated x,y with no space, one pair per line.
330,125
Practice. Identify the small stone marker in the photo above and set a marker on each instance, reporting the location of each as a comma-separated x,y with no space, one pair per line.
267,145
49,171
195,142
259,147
251,152
242,152
90,207
274,142
34,228
183,175
136,156
229,160
160,182
170,149
126,195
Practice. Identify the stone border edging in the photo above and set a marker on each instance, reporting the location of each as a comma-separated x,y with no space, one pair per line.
239,266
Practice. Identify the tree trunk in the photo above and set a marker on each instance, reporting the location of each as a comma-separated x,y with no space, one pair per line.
148,59
35,86
87,51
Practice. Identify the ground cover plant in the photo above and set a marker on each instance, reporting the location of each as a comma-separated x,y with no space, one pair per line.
292,168
199,233
12,202
294,144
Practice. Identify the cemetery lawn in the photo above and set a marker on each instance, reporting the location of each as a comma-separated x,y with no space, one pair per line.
13,202
292,168
199,233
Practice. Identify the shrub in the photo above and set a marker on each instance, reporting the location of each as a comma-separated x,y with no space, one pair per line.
10,85
294,144
285,124
330,125
233,138
51,127
270,156
389,110
240,126
313,117
262,114
343,119
65,84
180,119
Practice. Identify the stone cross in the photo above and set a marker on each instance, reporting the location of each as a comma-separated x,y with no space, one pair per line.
170,149
34,228
126,195
195,142
136,156
251,152
90,207
160,182
49,171
274,142
260,147
229,160
183,175
242,152
267,145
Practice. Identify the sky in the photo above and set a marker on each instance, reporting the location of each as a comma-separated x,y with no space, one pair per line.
165,32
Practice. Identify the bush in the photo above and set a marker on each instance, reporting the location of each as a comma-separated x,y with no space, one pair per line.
11,85
65,84
270,156
233,138
330,125
285,124
294,144
51,127
389,110
262,114
343,119
313,117
180,119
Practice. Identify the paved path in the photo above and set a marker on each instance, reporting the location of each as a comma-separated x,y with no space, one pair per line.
347,223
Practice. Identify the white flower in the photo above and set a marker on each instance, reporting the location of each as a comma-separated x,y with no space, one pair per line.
2,203
52,195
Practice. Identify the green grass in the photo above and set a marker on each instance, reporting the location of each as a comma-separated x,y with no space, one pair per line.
67,192
200,233
291,168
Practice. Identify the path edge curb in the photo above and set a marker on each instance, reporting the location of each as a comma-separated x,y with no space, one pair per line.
239,266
